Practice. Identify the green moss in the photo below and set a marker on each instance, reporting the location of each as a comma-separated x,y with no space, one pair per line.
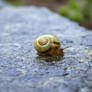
73,11
48,0
16,3
89,9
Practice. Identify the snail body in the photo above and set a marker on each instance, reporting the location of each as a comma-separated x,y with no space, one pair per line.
48,45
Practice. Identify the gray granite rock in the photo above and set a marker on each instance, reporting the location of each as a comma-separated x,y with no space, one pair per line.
22,70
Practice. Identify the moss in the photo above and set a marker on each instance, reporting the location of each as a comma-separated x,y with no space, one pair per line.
89,9
73,11
15,3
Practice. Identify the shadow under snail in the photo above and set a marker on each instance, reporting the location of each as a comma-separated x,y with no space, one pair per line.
48,45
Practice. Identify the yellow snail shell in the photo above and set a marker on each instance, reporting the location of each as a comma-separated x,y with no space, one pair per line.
47,45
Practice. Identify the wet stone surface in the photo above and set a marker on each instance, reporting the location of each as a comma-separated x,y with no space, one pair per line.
22,70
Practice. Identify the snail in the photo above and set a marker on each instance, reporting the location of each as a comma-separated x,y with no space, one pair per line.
48,45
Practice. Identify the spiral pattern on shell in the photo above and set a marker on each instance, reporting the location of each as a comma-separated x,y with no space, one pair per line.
46,43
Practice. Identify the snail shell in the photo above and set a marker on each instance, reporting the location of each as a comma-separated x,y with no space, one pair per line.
47,45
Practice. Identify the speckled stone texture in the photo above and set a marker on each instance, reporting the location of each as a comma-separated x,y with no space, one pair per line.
22,70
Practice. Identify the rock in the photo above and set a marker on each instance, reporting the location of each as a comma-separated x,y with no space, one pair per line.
22,70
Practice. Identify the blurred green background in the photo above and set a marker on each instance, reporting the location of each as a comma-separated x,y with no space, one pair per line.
76,10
